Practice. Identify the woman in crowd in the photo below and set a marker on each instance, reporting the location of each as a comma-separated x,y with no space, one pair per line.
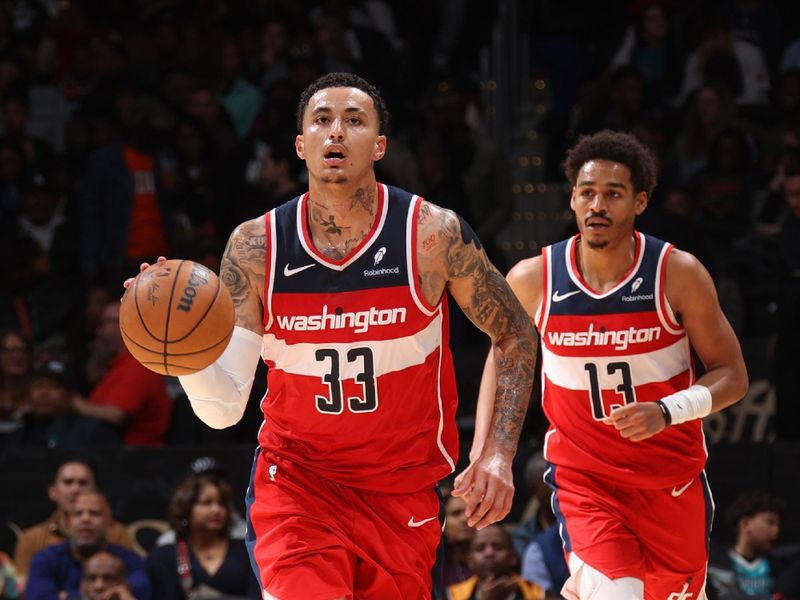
15,367
204,562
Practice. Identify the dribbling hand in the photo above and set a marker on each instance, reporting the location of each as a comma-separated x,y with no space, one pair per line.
637,421
142,267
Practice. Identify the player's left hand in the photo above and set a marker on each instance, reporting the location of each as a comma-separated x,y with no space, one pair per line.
637,421
487,485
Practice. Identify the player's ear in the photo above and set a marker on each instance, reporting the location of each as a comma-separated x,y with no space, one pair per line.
640,202
299,148
380,148
572,199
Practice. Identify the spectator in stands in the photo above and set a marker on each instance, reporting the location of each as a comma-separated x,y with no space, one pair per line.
127,395
15,366
72,477
724,60
540,545
51,421
59,569
125,215
787,347
457,539
748,569
204,559
209,464
10,588
651,47
496,566
105,578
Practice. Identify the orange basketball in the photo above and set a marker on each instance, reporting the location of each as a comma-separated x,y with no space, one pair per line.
176,318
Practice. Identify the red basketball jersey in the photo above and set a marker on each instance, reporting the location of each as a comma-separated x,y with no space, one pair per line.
600,351
361,382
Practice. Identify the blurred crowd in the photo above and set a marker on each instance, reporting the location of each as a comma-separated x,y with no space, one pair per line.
133,129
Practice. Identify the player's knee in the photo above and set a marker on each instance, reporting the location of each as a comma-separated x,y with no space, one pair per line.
587,583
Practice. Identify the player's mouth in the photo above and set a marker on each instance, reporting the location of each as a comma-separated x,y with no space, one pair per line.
597,223
334,155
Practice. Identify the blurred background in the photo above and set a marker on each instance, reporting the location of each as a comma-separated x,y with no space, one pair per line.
132,129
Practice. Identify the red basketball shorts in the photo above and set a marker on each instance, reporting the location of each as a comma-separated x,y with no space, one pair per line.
658,536
313,539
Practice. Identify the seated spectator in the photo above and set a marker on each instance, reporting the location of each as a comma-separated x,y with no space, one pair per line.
15,366
457,539
538,540
205,560
58,570
10,587
51,422
72,477
208,464
496,566
748,569
126,394
105,578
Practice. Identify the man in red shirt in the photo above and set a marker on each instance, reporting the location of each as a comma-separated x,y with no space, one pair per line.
125,394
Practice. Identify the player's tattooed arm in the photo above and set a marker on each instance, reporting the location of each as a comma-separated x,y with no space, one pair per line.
452,256
242,270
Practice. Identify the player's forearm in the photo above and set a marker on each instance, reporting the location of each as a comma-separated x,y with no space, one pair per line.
219,393
514,363
728,384
484,409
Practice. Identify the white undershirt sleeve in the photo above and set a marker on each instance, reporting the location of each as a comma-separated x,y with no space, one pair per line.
219,393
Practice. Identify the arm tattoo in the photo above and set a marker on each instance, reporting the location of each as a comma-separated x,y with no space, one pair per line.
242,271
494,308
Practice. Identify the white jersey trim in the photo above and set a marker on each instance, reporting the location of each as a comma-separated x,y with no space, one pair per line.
410,254
383,197
576,279
439,430
390,355
543,310
269,285
656,366
665,314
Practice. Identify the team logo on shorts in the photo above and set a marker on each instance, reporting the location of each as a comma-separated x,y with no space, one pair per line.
273,470
682,595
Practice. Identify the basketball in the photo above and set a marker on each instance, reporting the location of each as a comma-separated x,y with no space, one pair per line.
176,318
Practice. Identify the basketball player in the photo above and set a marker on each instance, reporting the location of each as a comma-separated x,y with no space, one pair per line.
618,313
342,292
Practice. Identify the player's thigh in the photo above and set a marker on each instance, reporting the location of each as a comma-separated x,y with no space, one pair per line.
397,536
587,583
594,523
675,529
296,542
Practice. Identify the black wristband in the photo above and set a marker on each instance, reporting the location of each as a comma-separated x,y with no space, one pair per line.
665,412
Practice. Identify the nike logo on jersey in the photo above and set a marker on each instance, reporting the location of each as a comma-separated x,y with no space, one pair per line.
677,491
559,297
288,272
413,523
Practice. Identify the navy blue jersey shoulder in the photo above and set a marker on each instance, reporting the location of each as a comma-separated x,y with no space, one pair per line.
382,264
636,295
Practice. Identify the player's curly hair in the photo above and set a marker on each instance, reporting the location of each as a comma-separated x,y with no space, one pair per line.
617,147
333,80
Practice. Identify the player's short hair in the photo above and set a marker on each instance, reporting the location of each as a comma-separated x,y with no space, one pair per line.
335,80
617,147
751,503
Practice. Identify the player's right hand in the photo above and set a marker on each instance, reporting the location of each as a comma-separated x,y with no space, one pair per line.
142,267
487,486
